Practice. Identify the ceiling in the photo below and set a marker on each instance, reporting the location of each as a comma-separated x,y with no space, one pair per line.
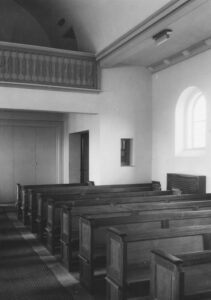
190,22
96,23
118,31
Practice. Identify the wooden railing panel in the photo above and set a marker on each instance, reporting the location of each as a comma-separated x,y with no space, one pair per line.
22,64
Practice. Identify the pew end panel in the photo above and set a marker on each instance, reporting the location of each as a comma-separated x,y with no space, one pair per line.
167,277
32,210
53,227
185,276
66,238
18,201
40,218
24,206
85,238
116,256
91,262
120,280
85,242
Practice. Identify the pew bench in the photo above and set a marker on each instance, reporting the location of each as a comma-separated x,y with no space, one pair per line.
67,223
128,256
92,239
53,227
181,277
25,194
54,207
29,206
22,189
37,215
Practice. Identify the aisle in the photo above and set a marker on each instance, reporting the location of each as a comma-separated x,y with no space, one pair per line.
25,275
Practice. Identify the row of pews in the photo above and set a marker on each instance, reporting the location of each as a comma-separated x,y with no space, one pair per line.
119,237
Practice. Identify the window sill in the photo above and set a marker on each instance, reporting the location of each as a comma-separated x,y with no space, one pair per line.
127,166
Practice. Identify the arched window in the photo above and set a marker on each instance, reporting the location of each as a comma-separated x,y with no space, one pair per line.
190,121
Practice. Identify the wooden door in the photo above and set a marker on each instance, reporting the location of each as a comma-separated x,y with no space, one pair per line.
46,160
23,155
16,159
28,155
84,157
6,164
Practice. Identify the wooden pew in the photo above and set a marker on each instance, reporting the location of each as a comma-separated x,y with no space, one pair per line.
78,207
186,183
182,277
128,256
29,194
92,242
69,225
37,216
54,207
23,190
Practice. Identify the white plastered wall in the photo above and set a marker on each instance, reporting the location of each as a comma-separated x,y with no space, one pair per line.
168,85
124,112
121,110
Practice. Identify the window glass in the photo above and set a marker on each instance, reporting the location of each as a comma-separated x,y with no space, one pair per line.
190,121
197,123
125,152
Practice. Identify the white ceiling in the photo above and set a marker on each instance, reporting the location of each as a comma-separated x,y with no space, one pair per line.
188,30
190,22
99,22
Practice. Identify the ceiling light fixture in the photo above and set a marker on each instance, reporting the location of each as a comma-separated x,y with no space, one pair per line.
162,36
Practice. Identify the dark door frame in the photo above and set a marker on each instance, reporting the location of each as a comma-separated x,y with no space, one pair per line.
84,167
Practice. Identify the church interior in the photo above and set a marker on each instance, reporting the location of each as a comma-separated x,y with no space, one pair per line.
105,149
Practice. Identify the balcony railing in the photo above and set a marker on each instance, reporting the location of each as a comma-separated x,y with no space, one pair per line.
47,67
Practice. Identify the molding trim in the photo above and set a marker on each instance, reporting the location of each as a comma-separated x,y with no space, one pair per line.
48,87
187,53
31,123
111,55
46,50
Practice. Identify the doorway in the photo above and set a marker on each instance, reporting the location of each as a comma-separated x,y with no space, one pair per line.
79,157
84,157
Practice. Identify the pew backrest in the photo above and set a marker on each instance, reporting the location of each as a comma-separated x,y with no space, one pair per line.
186,183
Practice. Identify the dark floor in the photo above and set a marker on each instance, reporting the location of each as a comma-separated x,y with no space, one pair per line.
28,271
